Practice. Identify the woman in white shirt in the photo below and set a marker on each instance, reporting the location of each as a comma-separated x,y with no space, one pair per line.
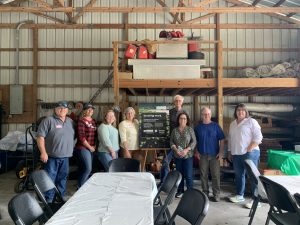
243,140
129,135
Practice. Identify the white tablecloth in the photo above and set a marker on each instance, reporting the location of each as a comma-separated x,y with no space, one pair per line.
110,199
291,183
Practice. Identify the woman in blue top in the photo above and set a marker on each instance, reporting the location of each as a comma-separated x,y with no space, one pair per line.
108,137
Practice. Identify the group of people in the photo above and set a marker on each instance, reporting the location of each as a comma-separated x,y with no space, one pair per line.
205,142
57,133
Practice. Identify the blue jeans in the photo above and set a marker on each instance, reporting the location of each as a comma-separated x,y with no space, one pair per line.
165,165
240,171
85,158
185,167
58,169
105,158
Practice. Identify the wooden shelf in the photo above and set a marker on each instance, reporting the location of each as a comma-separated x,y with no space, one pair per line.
231,87
218,86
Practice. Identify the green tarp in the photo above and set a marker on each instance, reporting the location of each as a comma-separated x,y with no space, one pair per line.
286,161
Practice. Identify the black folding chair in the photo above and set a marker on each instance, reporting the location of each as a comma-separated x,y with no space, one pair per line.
297,197
283,206
124,165
43,183
259,193
25,210
193,207
169,188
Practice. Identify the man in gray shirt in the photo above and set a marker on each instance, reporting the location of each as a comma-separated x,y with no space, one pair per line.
55,139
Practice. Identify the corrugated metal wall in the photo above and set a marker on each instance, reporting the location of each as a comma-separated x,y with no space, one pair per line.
102,38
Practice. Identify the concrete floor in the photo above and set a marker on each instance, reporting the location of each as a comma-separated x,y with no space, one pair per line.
219,213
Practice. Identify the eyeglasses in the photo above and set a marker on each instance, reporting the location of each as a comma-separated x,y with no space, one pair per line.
240,110
182,118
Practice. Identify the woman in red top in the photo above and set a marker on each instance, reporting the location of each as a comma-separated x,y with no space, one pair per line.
85,146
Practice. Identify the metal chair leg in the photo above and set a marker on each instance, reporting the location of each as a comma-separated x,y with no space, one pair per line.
253,210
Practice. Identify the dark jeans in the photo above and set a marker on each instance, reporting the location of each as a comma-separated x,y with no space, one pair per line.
85,158
185,167
240,171
165,165
105,158
58,169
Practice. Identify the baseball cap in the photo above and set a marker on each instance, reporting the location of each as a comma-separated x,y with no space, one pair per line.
87,106
61,104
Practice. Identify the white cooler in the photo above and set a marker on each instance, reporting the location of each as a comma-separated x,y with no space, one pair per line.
166,68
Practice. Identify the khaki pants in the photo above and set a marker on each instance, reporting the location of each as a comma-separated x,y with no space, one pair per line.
207,163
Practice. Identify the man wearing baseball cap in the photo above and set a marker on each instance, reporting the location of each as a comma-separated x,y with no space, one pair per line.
55,139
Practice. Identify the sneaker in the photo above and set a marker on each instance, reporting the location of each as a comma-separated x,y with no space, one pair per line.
216,198
249,205
237,198
178,194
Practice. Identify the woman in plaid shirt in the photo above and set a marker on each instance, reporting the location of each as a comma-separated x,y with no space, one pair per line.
85,146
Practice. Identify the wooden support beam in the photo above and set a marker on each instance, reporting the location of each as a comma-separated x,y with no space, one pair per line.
163,4
220,83
154,26
71,86
273,14
211,49
116,74
60,67
43,3
82,10
203,3
198,19
49,17
35,63
155,9
196,105
147,92
61,3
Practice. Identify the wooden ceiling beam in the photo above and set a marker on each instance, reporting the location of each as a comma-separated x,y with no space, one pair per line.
82,11
43,4
273,14
200,18
151,26
156,9
163,4
49,17
60,3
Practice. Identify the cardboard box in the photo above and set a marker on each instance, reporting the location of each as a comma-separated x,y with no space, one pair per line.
172,50
272,172
125,75
264,170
